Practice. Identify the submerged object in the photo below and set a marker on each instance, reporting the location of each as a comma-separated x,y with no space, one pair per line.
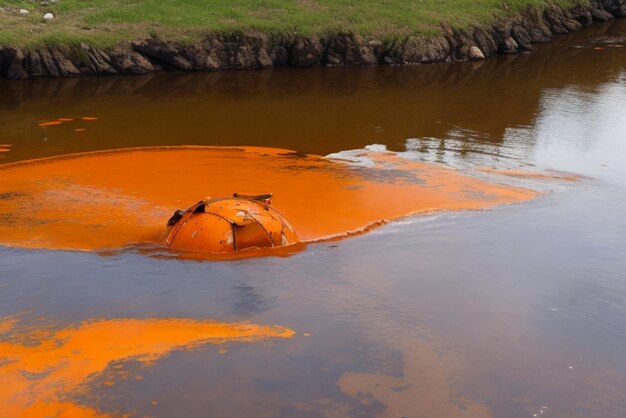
228,225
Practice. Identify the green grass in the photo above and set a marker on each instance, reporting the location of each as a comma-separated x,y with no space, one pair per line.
106,22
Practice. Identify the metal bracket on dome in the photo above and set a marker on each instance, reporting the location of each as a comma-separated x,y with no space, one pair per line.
261,197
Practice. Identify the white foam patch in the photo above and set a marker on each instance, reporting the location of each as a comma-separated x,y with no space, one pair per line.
376,147
358,157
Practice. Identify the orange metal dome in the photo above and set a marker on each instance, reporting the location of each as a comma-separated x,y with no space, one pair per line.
228,225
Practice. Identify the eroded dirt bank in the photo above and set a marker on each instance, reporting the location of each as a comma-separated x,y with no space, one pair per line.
252,50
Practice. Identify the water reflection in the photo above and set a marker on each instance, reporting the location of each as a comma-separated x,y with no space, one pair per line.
320,110
249,301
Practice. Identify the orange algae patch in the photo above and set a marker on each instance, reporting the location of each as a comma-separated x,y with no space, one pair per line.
531,174
112,199
50,123
41,371
424,389
7,324
4,148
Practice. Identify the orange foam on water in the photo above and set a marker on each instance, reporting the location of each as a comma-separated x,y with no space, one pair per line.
42,371
50,123
60,121
532,174
7,324
109,200
4,148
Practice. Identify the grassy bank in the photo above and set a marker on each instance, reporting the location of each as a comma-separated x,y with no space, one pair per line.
106,22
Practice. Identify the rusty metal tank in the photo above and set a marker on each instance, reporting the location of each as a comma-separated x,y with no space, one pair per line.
229,225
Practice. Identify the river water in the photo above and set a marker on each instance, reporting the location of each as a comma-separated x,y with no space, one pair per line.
515,311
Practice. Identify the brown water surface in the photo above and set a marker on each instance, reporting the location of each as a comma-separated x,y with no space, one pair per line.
515,311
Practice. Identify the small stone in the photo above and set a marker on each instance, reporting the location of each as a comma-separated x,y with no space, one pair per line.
48,16
24,12
475,54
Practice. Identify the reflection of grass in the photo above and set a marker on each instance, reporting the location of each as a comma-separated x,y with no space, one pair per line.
105,22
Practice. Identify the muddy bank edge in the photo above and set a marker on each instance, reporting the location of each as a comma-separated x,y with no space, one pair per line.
252,50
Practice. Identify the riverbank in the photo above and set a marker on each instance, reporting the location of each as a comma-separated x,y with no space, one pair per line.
253,46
